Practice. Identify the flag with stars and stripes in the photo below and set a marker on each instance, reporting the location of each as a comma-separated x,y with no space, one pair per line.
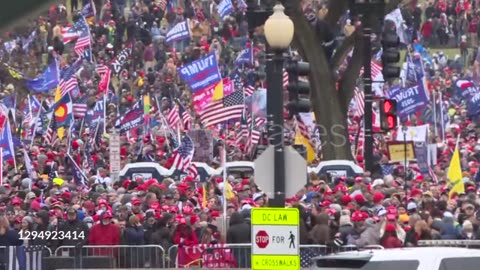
387,169
285,79
192,171
432,174
182,157
227,108
50,136
84,39
68,80
242,132
80,107
253,137
29,257
173,117
185,116
359,100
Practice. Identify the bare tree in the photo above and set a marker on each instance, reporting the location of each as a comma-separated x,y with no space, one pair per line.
329,104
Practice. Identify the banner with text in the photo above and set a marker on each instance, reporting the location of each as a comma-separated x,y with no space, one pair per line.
132,119
203,77
409,99
179,32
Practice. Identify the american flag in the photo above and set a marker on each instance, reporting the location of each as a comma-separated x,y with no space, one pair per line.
387,169
182,157
375,68
162,4
242,131
51,135
359,99
285,78
101,69
259,121
185,116
23,257
192,171
302,128
84,39
228,108
253,138
68,81
80,107
173,117
432,174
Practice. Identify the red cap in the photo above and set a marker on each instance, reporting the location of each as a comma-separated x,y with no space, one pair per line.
136,201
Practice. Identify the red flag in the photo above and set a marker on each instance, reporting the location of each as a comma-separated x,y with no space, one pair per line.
105,81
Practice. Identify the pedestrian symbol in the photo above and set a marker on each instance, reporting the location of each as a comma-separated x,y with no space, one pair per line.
292,240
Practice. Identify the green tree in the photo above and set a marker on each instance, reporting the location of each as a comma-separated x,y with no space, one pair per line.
329,105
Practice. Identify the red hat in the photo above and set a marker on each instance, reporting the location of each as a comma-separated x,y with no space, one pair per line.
155,206
346,199
75,145
123,151
160,140
102,202
420,178
173,209
126,183
341,187
188,178
378,197
359,198
358,179
328,192
16,201
107,214
136,201
390,227
415,192
359,216
187,210
325,203
194,219
215,214
245,181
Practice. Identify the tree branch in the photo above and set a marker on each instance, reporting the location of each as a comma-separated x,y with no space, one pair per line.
351,74
336,8
342,51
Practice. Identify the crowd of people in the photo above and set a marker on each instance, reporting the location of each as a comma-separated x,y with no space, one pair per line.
394,206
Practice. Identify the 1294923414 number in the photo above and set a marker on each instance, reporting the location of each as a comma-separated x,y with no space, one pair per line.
51,235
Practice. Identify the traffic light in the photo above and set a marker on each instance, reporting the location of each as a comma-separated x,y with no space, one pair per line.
390,56
298,89
388,114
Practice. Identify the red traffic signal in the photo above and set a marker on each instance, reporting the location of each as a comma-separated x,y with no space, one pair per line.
388,116
389,105
391,122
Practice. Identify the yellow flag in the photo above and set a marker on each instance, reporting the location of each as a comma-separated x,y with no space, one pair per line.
15,74
228,188
218,91
204,196
60,130
454,174
299,139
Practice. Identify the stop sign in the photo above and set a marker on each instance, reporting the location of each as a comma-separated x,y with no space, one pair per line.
261,239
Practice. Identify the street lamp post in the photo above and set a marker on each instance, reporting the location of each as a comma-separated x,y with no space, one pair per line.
279,31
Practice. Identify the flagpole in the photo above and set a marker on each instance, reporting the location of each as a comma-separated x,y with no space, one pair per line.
1,164
435,114
35,127
223,164
105,112
441,116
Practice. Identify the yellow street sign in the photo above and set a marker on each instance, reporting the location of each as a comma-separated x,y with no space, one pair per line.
275,238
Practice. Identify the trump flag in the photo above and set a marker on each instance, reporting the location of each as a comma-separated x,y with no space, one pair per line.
179,32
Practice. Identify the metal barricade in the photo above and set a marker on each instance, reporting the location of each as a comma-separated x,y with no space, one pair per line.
115,256
23,257
450,243
171,257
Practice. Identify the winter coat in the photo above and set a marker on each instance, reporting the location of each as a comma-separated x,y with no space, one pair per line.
239,232
135,235
320,233
181,237
369,236
77,230
104,235
391,242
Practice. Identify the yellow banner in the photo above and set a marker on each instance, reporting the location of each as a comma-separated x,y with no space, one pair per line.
396,151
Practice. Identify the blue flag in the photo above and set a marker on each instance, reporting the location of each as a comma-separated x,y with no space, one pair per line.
88,9
97,114
465,89
6,142
48,80
131,119
179,32
225,8
77,173
410,99
202,73
245,57
414,70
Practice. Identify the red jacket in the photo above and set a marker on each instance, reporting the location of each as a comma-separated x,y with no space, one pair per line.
392,242
104,235
189,240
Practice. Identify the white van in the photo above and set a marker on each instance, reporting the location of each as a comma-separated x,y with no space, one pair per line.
417,258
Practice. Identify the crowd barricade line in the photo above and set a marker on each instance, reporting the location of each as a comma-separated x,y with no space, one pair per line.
450,243
239,255
116,256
